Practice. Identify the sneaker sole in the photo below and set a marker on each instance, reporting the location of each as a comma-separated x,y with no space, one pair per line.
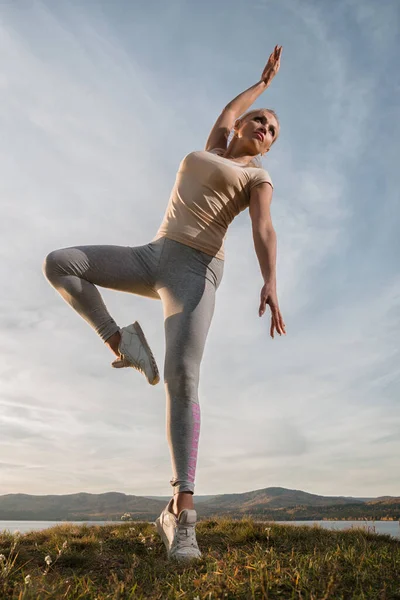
139,331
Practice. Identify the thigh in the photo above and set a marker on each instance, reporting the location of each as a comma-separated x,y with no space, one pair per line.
187,319
122,268
187,285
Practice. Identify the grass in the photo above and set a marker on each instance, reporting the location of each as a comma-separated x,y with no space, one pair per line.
241,560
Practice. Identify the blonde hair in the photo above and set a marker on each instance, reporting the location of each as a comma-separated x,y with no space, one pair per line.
256,161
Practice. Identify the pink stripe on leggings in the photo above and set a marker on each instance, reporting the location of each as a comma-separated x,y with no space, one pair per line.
195,441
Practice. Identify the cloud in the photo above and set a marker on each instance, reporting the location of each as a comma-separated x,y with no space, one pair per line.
96,117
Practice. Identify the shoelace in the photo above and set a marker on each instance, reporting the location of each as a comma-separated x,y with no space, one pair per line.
184,538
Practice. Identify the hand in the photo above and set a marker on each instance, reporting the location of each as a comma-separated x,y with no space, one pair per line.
268,296
272,66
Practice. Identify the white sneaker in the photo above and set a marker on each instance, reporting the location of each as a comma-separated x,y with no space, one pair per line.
178,534
135,352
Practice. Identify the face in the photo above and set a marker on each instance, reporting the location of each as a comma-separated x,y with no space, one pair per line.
258,130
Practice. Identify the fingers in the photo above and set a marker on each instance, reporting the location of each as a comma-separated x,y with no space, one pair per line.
263,304
281,325
277,52
277,323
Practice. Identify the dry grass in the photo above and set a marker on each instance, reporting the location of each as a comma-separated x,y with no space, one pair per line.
241,560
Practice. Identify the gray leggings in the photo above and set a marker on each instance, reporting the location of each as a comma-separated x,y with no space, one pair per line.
185,280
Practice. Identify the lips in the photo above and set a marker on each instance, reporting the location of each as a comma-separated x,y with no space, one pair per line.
259,135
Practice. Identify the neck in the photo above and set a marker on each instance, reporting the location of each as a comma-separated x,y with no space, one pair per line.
236,151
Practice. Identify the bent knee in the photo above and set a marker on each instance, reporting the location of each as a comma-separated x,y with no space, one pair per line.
51,264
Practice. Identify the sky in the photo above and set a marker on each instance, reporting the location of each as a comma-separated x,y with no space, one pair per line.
100,102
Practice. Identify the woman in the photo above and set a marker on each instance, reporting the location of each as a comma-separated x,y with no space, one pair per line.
183,266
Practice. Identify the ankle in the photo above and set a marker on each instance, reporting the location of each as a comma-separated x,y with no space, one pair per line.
181,501
113,343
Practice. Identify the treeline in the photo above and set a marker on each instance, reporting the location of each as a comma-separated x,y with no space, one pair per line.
369,512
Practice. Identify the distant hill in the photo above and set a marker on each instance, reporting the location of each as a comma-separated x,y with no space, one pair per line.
273,503
277,503
76,507
384,500
166,498
275,497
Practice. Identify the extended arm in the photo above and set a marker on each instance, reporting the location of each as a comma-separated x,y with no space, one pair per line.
264,237
219,134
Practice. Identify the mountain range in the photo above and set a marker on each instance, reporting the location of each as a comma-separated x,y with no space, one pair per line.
273,503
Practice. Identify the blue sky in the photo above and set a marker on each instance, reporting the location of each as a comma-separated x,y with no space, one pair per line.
100,102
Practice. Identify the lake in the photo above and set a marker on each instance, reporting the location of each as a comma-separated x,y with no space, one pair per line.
389,527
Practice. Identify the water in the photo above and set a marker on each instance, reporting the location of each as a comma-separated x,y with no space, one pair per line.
389,527
25,526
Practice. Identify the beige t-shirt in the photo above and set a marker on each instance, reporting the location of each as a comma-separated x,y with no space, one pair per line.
209,192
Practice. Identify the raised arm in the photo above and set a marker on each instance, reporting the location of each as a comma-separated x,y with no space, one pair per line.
218,137
264,237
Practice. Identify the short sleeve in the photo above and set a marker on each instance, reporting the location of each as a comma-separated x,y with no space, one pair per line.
259,176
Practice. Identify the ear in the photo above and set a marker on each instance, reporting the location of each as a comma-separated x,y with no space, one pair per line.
236,126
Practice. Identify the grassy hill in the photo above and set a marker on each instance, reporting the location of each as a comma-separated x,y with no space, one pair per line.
241,560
